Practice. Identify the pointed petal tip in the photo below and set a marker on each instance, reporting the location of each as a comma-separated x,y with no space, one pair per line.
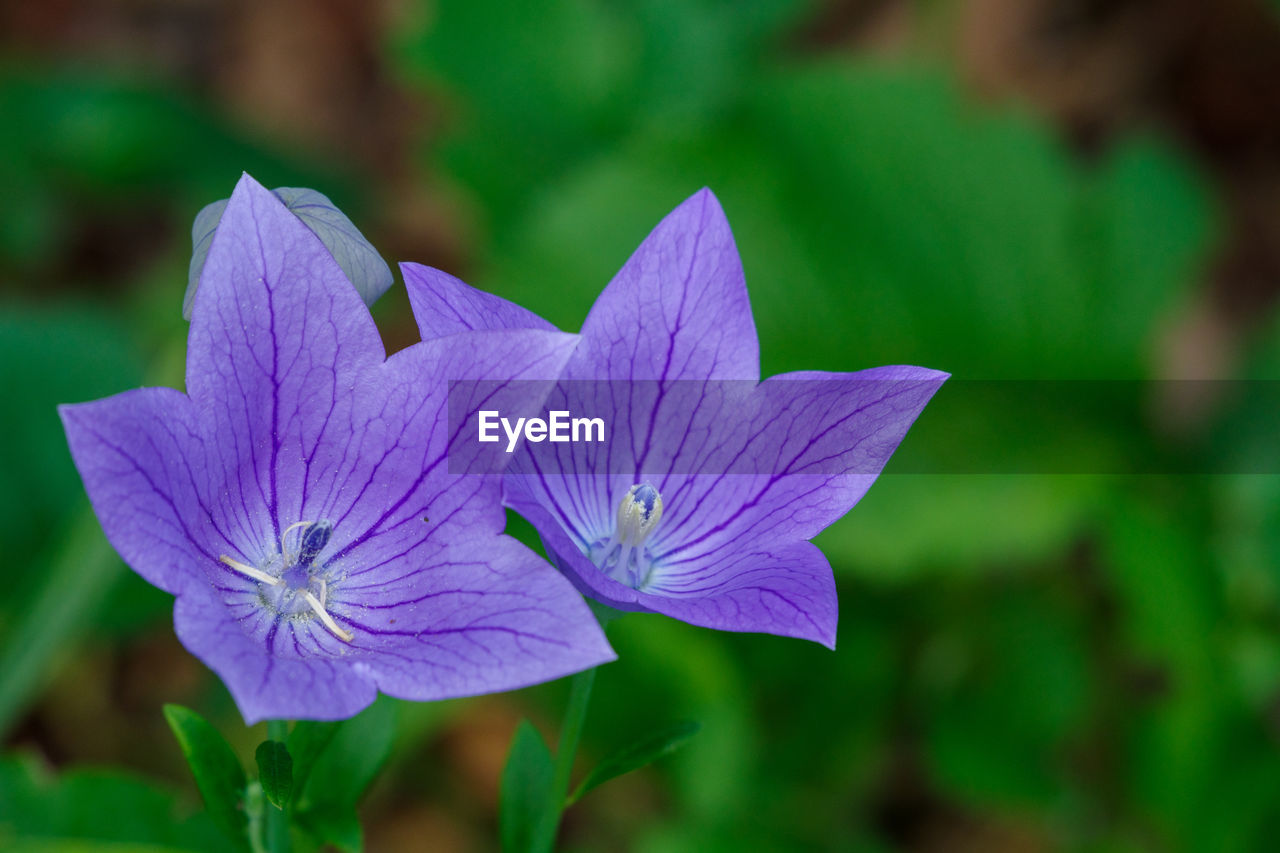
248,187
247,181
707,205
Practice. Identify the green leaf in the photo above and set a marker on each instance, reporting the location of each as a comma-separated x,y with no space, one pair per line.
341,772
358,748
307,742
639,754
275,771
526,788
84,809
217,771
339,827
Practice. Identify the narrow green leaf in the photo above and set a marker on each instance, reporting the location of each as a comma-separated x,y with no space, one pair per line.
339,765
526,788
307,742
355,754
639,754
275,771
339,826
217,771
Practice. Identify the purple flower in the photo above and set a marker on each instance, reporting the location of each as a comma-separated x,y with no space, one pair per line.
702,504
296,501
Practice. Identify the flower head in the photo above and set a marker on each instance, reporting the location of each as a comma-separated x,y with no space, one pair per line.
702,503
296,502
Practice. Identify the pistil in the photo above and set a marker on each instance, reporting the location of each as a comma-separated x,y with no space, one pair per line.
296,573
639,512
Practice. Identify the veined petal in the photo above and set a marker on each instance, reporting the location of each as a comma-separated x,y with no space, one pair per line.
145,467
678,308
784,588
445,305
746,475
275,679
298,430
502,619
801,456
403,471
279,337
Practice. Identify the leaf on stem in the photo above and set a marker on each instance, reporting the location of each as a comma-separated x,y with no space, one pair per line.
639,754
526,788
217,771
307,742
275,771
344,761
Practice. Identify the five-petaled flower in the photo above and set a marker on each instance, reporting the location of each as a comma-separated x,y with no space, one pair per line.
702,504
296,500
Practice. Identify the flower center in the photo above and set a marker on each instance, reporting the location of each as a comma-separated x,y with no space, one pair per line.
623,556
293,583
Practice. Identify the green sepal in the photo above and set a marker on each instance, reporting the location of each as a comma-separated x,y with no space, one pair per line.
217,771
639,754
526,789
275,772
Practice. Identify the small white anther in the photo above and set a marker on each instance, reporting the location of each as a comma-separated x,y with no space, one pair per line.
345,636
250,571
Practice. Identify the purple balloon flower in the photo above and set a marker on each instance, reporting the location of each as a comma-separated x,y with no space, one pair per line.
296,499
702,503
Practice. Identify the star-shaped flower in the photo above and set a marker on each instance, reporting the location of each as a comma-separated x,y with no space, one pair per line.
297,502
701,503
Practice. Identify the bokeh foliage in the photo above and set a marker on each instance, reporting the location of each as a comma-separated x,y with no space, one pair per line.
1074,661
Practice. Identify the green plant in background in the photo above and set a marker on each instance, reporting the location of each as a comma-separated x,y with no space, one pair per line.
1086,661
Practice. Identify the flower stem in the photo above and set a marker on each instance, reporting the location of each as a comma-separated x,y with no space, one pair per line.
278,840
575,716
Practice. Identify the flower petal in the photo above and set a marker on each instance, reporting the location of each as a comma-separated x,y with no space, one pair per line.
783,588
145,468
283,681
746,476
361,262
678,308
424,578
278,339
445,305
501,619
805,453
411,457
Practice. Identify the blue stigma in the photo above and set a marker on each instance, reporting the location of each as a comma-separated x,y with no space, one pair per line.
314,538
646,495
624,556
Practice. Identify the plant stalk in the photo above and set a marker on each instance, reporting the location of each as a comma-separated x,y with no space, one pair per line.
575,716
278,840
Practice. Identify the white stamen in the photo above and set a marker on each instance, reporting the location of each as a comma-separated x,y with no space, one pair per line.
250,571
284,547
345,636
324,591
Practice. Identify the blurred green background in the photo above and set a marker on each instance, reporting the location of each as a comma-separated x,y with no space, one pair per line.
1004,189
